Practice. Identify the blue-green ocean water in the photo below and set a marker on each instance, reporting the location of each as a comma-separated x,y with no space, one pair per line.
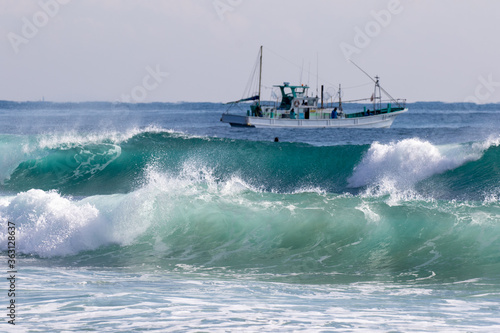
157,217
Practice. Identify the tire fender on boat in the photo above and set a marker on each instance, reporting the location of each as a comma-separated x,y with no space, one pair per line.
296,103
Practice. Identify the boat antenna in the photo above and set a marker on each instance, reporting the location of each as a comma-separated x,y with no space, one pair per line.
317,72
301,71
260,72
309,73
376,83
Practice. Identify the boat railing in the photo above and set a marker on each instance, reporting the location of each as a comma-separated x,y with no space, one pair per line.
399,103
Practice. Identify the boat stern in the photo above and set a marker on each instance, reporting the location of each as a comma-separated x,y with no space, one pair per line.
236,120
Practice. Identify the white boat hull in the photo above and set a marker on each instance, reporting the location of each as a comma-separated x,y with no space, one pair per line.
375,121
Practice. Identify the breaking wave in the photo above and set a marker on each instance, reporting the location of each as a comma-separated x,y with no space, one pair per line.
79,165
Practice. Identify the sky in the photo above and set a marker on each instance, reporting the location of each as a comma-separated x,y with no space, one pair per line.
205,50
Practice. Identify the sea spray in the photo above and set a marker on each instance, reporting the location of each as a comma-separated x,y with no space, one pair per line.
406,162
407,169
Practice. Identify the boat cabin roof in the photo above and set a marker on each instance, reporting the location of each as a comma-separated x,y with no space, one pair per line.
292,91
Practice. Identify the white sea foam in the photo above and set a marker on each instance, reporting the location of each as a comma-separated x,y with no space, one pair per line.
192,175
370,215
48,224
493,197
71,139
398,166
116,301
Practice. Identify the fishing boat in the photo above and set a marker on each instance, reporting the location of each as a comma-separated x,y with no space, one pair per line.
295,108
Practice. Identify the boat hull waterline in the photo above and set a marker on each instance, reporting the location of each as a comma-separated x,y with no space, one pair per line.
374,121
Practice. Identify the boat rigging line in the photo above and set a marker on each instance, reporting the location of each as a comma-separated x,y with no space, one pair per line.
299,66
377,84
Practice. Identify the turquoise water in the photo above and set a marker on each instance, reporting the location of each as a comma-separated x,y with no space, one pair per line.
158,217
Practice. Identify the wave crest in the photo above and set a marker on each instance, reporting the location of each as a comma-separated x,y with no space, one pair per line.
399,166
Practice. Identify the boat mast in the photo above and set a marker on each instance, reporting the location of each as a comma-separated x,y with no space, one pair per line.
322,89
340,98
260,72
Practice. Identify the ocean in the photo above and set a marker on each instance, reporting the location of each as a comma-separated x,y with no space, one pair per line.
158,217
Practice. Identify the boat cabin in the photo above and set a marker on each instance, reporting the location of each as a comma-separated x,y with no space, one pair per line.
296,95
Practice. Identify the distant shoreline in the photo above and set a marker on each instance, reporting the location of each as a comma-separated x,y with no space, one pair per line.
6,105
